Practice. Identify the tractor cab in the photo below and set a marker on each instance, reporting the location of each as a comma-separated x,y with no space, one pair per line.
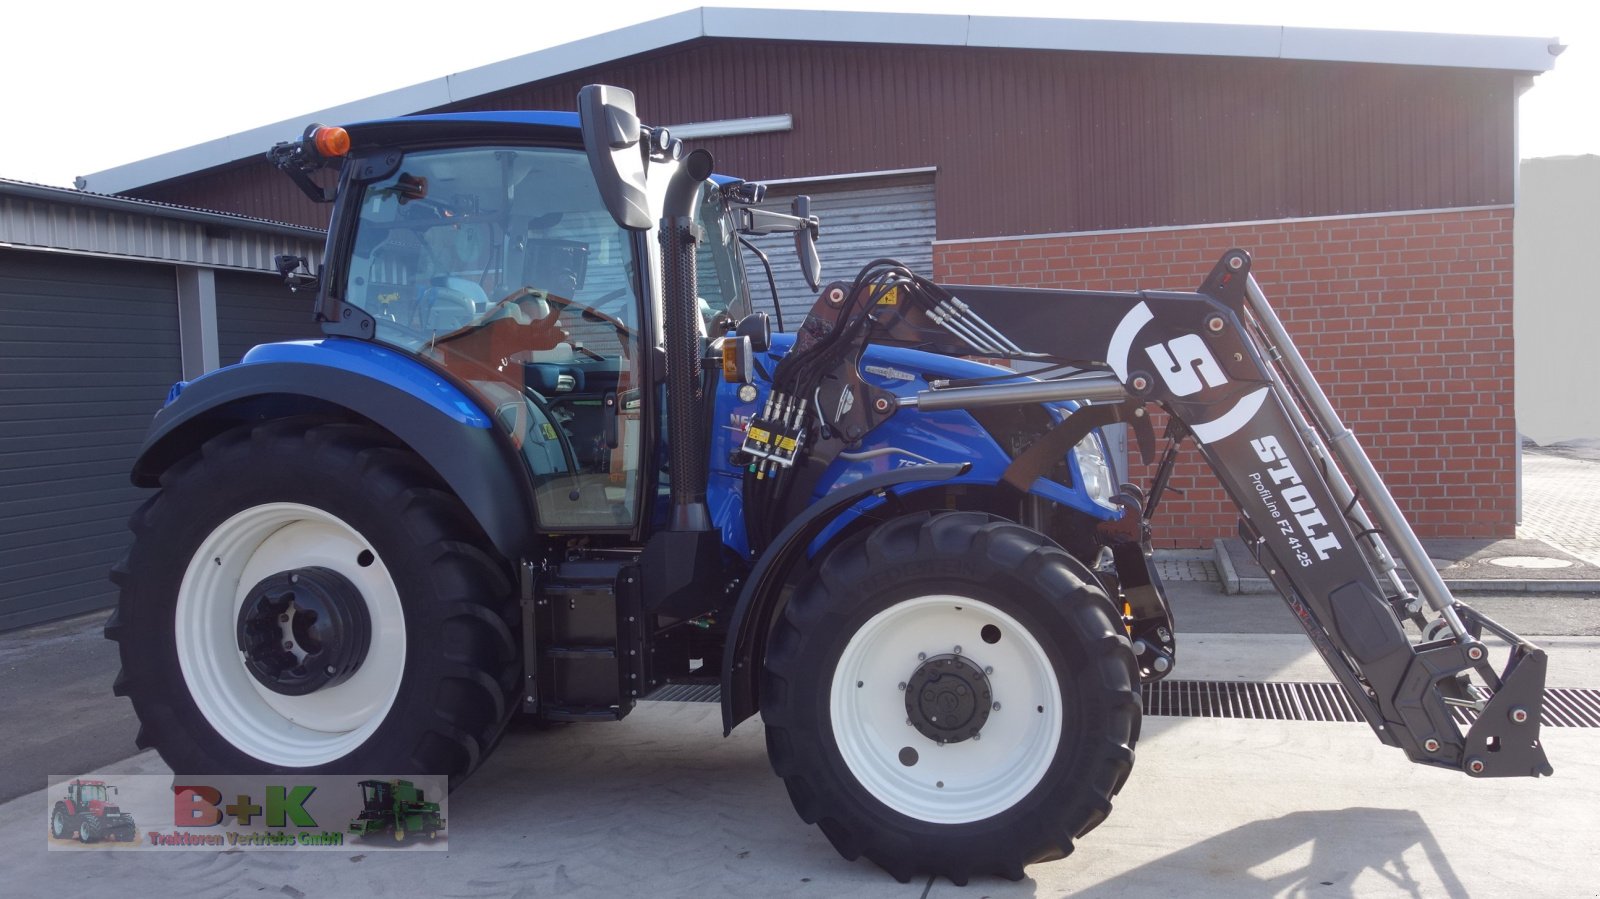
376,796
86,793
500,264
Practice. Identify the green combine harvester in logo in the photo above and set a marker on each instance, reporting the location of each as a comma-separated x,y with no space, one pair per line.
397,807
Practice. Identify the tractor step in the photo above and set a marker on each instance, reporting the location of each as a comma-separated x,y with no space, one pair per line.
583,634
709,690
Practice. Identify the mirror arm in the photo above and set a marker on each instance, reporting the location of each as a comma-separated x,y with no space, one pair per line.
772,283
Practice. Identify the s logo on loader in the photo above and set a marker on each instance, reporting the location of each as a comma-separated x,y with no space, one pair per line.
1184,362
1186,365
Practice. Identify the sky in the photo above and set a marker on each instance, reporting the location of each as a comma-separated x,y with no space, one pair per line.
92,85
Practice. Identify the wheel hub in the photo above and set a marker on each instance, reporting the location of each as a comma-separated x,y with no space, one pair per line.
304,630
948,698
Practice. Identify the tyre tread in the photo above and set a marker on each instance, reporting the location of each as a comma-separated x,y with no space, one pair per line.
1003,545
402,486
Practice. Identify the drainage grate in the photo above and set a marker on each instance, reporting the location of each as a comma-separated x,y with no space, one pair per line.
1261,700
1280,701
686,693
1249,699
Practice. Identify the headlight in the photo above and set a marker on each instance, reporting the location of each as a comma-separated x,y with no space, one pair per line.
1095,471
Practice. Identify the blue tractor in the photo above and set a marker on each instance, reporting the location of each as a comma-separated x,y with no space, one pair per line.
548,460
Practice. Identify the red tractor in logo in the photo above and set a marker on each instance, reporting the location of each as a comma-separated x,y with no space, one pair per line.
87,812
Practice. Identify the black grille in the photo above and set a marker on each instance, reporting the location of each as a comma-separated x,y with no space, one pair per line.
1262,700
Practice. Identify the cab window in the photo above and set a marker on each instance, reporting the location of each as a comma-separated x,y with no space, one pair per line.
502,266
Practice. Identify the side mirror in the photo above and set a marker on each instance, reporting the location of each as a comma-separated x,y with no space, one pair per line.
805,241
611,135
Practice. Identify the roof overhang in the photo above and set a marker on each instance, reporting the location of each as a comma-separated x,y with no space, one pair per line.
1516,54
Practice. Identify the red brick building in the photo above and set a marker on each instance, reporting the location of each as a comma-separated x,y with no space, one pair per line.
1372,174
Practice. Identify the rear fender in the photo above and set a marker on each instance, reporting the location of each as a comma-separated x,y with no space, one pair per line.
361,381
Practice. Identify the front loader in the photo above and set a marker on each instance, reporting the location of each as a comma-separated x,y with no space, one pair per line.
549,461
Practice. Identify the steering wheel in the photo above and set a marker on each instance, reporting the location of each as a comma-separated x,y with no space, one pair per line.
568,454
522,293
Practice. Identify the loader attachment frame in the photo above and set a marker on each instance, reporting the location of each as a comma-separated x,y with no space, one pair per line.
1314,510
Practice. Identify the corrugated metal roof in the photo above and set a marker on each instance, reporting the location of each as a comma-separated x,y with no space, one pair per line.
1521,54
37,216
53,193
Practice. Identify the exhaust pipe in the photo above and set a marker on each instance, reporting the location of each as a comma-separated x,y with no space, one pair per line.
685,394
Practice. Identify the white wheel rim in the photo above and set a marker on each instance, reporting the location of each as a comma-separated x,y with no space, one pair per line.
956,782
287,731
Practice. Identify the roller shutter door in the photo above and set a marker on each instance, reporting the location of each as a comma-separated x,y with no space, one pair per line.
88,350
860,223
257,308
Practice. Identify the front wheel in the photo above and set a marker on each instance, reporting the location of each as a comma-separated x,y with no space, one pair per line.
306,596
951,694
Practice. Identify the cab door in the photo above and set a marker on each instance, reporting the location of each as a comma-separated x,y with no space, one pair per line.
501,266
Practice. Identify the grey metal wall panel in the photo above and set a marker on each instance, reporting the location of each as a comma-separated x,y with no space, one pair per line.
859,224
254,309
88,349
29,221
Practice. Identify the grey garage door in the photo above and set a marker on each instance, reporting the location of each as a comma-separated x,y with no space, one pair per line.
256,308
859,224
88,349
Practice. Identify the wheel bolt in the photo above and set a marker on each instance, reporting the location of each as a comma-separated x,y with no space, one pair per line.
977,736
958,650
922,657
284,617
902,685
989,669
995,707
288,645
1519,716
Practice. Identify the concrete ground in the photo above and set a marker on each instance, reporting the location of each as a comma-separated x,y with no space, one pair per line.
661,803
1561,498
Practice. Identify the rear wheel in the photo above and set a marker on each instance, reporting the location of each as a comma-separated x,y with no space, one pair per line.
951,694
307,596
60,823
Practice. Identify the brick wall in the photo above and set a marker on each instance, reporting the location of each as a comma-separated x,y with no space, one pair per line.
1405,319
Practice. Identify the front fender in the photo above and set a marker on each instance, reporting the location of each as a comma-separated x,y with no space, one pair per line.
758,601
423,409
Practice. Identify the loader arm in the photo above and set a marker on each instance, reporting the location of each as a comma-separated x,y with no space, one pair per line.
1219,361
